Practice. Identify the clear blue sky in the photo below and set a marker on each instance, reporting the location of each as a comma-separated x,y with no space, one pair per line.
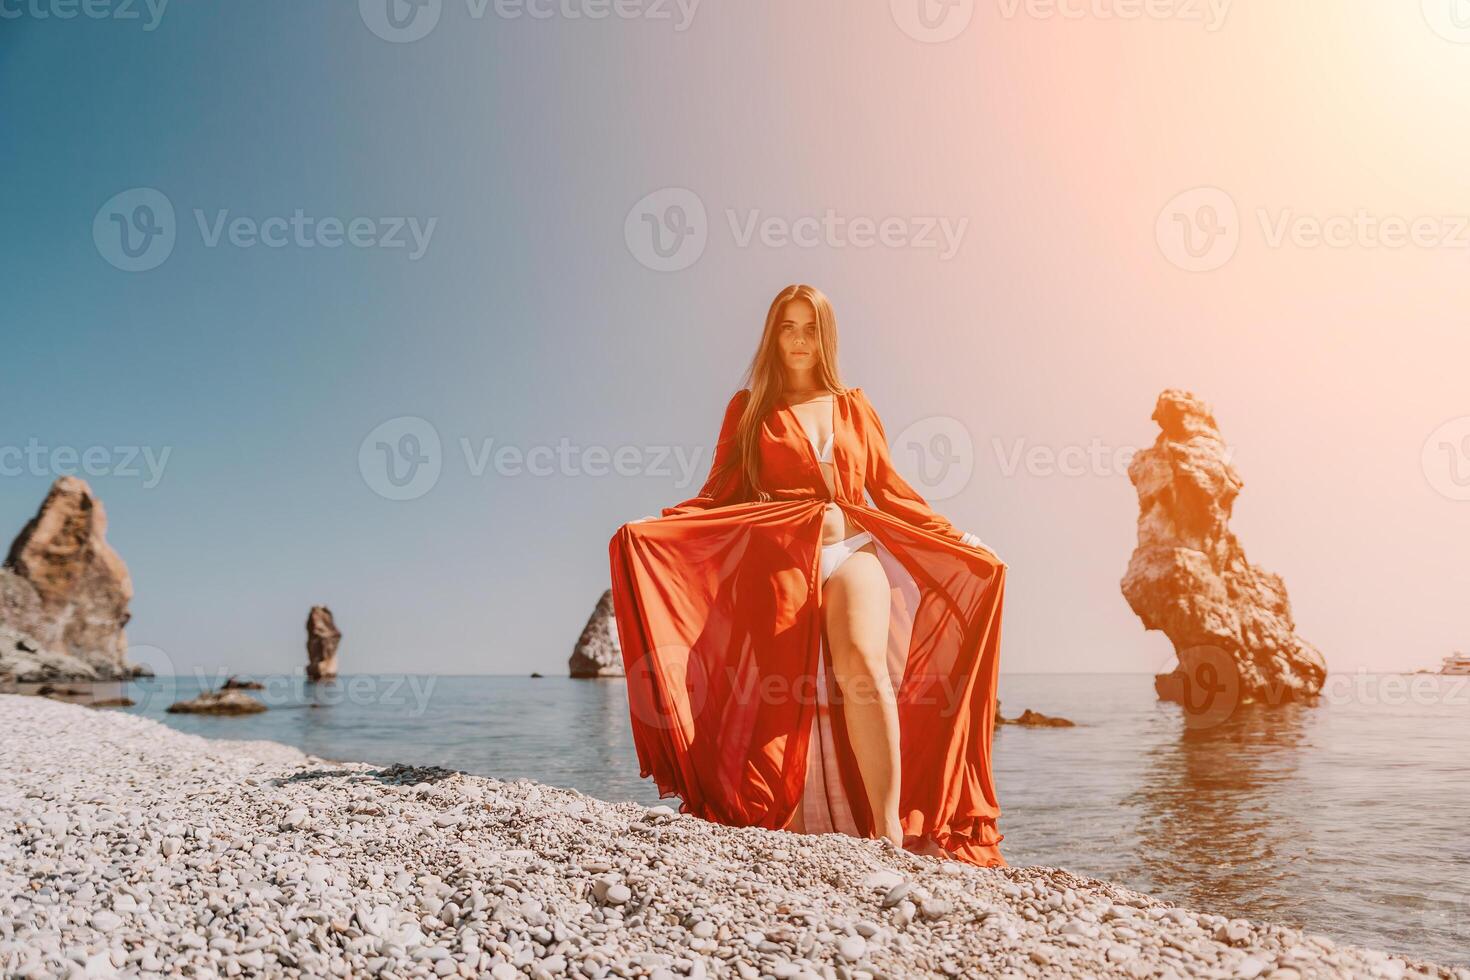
529,320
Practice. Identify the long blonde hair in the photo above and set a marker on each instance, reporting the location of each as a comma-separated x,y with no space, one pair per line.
766,377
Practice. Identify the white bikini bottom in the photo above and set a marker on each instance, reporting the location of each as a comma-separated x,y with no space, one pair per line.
834,554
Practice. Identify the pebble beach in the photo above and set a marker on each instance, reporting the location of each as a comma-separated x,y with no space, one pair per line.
132,849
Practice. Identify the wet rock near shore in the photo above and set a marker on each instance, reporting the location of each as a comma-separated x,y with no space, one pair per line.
53,691
1035,719
139,849
1230,622
64,594
598,652
231,701
1031,719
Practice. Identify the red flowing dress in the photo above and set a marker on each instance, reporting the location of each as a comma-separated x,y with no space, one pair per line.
734,706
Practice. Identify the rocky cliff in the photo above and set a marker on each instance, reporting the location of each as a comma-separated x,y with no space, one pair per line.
64,594
598,653
1230,622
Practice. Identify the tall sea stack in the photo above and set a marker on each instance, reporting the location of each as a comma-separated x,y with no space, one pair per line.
1230,622
64,594
598,653
322,638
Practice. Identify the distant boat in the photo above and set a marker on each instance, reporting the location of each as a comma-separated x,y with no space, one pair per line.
1458,663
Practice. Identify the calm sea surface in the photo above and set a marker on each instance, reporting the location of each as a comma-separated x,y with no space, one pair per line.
1350,819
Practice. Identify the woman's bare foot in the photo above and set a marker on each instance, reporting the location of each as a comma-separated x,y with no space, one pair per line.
927,847
893,833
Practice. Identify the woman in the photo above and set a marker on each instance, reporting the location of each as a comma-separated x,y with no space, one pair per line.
797,658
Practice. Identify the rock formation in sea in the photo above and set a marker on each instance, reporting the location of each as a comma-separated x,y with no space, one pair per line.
1230,622
64,594
1032,719
226,701
1035,719
598,653
322,638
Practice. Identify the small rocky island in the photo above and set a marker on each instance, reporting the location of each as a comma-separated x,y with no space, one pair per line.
322,639
1230,621
64,595
598,652
1032,719
225,701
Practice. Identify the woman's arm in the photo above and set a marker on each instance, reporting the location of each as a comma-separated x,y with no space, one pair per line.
720,488
891,492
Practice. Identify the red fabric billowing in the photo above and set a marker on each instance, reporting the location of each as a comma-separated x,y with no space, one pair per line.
718,609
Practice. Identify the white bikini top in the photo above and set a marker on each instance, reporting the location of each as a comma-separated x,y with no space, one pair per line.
824,455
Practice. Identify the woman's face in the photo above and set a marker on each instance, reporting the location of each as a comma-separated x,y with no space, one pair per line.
796,331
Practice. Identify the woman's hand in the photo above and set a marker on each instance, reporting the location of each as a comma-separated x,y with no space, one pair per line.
650,517
973,540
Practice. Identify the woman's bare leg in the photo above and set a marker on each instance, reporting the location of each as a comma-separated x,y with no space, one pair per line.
855,600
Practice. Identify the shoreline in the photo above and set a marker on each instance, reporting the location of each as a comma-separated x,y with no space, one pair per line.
133,847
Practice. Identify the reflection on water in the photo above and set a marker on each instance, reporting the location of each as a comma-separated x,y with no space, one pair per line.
1217,805
1350,818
